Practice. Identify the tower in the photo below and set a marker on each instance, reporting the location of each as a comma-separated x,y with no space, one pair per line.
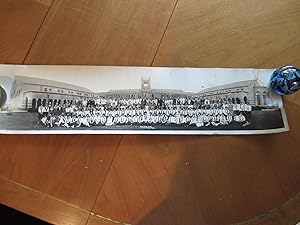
145,83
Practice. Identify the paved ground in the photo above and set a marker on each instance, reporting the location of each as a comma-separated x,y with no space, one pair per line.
26,121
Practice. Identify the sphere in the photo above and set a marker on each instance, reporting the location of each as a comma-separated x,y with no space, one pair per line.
285,80
3,96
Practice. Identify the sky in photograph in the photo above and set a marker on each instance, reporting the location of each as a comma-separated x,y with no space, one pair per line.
102,79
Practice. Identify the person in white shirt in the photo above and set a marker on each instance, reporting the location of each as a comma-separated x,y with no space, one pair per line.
41,110
248,115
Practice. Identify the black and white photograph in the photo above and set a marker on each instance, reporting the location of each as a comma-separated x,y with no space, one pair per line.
138,100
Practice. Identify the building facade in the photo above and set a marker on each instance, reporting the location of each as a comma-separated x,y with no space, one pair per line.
28,93
145,92
249,91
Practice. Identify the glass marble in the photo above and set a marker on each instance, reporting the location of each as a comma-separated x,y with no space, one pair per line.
285,80
3,96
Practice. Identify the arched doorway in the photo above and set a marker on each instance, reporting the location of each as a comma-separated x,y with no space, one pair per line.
39,102
33,104
44,102
55,102
26,103
264,98
59,101
50,102
245,99
258,98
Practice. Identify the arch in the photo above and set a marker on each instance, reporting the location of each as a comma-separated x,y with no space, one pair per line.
33,104
264,99
55,102
245,99
26,103
39,102
44,102
258,98
50,102
59,101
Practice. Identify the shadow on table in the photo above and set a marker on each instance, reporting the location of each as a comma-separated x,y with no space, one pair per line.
227,180
9,216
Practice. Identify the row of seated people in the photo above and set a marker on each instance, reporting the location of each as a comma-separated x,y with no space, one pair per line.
204,114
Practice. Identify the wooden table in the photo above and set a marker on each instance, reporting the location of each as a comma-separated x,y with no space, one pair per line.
137,179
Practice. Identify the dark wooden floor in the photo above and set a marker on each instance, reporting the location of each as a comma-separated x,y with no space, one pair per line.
136,179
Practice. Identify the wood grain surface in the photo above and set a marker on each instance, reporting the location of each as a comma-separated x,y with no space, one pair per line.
218,33
199,180
44,2
71,168
100,220
20,21
140,179
286,214
103,32
40,205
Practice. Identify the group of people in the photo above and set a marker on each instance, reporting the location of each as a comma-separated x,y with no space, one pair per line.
150,112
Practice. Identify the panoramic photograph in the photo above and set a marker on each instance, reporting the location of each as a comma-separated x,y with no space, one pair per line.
145,100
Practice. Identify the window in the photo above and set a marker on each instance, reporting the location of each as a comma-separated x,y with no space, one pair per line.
258,98
45,89
264,99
